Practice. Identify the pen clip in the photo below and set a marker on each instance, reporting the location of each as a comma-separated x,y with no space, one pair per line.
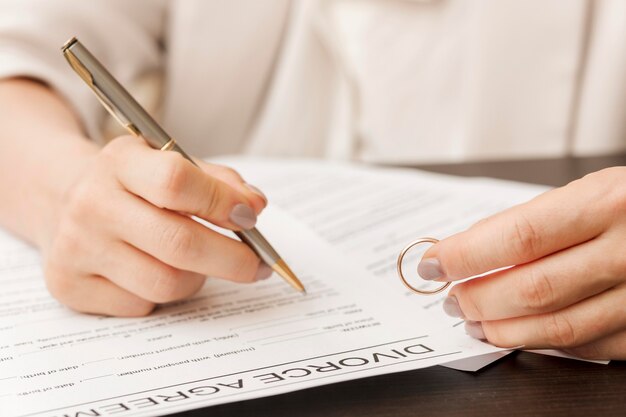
84,73
78,66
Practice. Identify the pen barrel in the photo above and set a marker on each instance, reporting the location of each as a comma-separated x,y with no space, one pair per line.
114,96
259,245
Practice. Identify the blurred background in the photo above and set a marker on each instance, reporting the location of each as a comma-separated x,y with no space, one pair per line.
385,81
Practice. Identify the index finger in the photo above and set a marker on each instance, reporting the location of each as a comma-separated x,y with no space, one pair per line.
555,220
167,180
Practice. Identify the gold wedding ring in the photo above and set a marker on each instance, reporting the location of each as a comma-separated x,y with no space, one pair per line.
401,275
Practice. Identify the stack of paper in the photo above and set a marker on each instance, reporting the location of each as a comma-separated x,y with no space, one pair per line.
340,227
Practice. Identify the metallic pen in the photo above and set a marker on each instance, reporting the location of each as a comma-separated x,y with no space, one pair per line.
125,109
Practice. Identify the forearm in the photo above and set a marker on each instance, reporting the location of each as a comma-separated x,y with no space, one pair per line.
42,152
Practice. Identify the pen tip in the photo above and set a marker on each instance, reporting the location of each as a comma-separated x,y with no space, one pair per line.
284,271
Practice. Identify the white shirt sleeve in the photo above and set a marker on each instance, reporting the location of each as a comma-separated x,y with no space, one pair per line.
125,35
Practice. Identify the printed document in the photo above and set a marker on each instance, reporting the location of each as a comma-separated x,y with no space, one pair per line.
339,226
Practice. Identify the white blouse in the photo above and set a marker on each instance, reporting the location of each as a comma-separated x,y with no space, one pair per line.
393,81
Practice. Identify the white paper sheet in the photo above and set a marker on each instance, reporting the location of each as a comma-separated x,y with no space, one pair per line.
475,363
369,214
336,228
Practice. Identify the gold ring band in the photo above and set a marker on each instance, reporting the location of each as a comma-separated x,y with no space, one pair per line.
401,275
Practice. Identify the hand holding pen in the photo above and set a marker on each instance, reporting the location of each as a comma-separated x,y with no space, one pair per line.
126,241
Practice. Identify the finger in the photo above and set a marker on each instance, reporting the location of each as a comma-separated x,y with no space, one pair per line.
168,180
97,295
70,283
183,243
548,284
133,270
552,221
577,325
609,348
231,177
147,277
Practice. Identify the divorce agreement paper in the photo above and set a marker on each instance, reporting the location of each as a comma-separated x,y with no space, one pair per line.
340,227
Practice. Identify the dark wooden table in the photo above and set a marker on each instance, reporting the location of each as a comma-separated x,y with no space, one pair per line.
521,384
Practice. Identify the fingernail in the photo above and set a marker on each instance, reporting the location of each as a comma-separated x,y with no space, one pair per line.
475,330
430,269
256,191
264,272
452,308
243,216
